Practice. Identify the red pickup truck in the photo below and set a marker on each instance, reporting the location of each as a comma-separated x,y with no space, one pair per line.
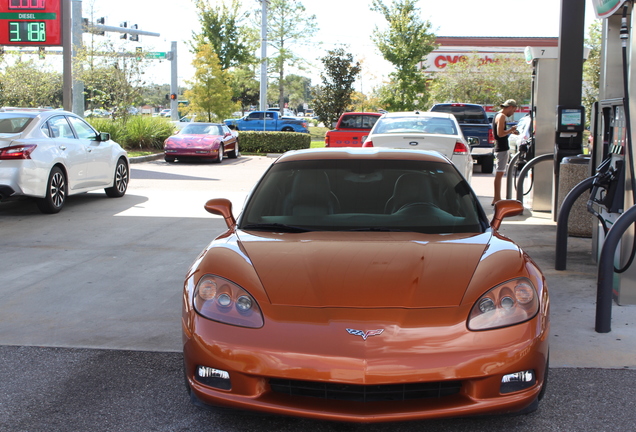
351,130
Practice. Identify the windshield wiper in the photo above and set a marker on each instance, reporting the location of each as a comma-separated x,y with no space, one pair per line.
275,227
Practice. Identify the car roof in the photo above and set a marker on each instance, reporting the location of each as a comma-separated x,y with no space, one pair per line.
417,114
377,153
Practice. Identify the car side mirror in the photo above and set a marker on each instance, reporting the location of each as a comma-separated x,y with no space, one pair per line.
504,209
221,207
104,136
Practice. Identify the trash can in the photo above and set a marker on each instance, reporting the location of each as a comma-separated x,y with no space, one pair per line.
572,171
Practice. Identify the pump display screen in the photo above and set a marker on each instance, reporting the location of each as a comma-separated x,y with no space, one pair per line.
570,119
31,22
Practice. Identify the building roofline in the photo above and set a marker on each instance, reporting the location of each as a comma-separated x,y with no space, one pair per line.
487,41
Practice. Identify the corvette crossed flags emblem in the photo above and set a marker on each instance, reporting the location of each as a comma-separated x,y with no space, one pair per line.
366,334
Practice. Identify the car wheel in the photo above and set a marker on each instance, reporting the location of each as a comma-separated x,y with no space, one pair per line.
487,164
219,158
168,159
120,182
234,153
56,189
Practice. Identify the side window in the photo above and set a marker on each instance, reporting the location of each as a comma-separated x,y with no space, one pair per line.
45,130
256,116
83,129
60,127
269,116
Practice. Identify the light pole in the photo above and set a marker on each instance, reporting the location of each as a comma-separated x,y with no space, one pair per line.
263,88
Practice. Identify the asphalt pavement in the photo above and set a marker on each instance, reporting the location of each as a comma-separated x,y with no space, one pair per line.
90,310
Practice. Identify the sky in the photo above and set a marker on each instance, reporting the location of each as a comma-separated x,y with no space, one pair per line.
342,23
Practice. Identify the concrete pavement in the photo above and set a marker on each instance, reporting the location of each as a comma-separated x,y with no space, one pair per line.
574,342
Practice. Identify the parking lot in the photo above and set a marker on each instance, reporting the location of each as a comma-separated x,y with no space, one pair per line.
90,333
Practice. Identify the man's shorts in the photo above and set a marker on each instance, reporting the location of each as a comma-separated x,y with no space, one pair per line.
501,160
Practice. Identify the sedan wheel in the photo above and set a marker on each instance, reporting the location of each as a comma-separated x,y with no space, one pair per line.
55,193
219,158
234,153
120,183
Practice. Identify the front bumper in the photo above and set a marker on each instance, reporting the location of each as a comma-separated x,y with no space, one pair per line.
466,368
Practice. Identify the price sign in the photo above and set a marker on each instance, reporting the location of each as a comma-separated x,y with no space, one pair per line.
31,22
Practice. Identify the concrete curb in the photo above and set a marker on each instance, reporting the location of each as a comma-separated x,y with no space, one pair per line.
146,158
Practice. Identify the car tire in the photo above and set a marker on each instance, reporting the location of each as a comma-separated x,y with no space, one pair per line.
56,190
120,180
487,164
168,159
219,157
234,153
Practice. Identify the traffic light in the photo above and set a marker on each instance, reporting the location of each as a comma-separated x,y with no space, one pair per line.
134,37
41,52
173,96
101,21
167,96
124,35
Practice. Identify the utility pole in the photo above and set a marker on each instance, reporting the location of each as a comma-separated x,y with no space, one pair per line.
263,88
174,84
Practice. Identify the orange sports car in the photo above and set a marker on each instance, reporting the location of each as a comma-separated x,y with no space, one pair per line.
365,285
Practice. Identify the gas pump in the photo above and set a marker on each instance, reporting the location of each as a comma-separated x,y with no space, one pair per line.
608,188
613,189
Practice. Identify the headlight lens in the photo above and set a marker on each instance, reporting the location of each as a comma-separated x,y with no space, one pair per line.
507,304
220,300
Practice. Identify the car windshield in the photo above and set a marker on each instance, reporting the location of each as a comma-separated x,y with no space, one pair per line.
13,123
464,113
202,129
363,195
358,121
420,124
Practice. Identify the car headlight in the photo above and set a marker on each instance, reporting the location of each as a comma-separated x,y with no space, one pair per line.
220,300
507,304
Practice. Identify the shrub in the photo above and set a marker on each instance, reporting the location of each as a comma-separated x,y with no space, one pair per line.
116,129
147,132
138,132
273,142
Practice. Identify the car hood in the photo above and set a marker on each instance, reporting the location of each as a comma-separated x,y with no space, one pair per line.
364,270
187,140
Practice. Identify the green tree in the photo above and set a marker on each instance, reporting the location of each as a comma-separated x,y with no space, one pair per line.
473,81
287,26
405,44
111,81
223,28
334,96
155,95
592,67
209,95
245,88
26,84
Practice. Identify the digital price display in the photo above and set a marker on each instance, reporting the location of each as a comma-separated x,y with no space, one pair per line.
31,22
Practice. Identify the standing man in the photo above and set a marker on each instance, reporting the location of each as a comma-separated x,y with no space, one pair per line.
502,149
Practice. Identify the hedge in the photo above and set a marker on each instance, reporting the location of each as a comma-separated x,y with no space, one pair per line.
273,142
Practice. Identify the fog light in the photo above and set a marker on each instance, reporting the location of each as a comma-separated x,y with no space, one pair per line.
213,377
517,381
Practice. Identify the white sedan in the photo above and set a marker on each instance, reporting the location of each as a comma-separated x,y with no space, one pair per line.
439,132
50,154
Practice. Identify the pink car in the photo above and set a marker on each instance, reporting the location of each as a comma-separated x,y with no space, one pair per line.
211,141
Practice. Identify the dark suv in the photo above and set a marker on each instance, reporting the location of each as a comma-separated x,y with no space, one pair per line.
474,122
